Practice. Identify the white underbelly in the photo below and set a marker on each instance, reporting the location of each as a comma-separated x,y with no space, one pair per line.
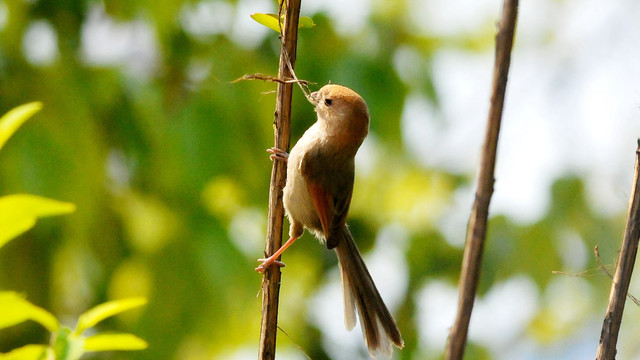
297,201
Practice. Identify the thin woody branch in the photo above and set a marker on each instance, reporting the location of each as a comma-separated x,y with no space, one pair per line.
622,276
477,228
282,133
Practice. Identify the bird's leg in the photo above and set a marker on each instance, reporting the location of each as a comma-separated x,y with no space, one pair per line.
277,154
271,260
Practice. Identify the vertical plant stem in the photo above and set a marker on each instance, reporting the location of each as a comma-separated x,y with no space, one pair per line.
477,228
622,276
282,133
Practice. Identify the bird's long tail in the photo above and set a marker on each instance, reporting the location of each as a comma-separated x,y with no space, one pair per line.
360,292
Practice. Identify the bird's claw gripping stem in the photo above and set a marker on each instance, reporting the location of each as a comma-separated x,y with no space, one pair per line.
277,154
271,260
268,262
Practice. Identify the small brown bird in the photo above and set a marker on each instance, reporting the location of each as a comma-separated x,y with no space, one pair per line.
320,175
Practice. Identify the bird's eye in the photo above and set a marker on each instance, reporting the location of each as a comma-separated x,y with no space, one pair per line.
328,102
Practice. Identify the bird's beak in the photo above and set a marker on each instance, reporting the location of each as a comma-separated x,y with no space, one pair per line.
313,98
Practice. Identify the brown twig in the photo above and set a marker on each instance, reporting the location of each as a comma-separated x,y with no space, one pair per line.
477,228
282,134
303,84
603,267
622,276
263,77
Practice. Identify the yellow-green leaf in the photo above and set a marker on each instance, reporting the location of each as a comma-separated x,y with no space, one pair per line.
14,309
109,342
108,309
67,345
268,20
18,213
12,120
29,352
306,22
271,21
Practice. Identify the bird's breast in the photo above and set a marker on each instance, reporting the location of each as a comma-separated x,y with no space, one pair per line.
297,200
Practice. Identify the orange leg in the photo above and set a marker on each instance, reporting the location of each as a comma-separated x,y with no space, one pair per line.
271,260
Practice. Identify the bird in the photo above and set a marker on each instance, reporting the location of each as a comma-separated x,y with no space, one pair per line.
317,196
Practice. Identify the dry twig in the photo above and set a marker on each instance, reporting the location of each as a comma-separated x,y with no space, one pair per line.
263,77
602,268
622,276
477,228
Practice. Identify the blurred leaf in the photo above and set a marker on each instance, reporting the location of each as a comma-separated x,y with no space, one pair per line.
271,21
567,301
108,309
430,255
268,20
412,197
12,120
132,278
14,309
68,346
223,197
29,352
513,249
306,22
18,213
108,342
149,222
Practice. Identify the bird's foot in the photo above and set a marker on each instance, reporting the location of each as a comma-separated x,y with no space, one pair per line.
269,262
277,154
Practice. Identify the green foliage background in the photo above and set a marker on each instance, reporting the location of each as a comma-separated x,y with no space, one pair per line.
166,169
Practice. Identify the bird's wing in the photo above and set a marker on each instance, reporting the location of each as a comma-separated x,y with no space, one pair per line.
323,203
331,199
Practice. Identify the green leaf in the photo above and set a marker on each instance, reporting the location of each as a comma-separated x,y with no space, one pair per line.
271,21
18,213
14,309
268,20
108,309
67,345
108,342
306,22
29,352
12,120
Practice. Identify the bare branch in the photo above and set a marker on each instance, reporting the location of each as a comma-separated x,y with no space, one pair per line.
282,133
477,228
622,276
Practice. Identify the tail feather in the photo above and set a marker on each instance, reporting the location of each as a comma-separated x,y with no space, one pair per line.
360,292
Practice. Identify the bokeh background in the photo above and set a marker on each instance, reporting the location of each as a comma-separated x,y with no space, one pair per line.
165,160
